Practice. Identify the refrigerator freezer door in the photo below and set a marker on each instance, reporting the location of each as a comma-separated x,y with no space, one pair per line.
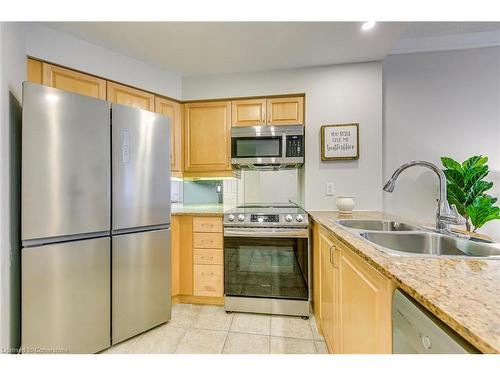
65,164
141,282
141,168
66,297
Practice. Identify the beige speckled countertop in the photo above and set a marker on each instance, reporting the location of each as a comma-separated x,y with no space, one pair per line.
463,293
199,209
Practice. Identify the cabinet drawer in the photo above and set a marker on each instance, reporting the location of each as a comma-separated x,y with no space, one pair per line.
207,240
208,280
207,224
207,256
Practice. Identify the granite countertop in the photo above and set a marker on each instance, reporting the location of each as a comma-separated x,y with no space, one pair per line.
199,209
463,293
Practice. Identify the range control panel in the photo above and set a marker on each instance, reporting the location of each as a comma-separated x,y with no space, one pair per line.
264,218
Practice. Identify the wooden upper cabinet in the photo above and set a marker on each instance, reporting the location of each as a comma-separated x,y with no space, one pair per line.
126,95
250,112
173,111
207,137
34,71
366,300
69,80
285,111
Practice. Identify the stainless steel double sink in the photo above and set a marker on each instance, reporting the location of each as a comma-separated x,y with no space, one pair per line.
408,239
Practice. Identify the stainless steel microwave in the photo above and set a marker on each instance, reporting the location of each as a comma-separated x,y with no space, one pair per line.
267,147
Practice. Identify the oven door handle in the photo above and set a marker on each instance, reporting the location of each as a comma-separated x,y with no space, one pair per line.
267,232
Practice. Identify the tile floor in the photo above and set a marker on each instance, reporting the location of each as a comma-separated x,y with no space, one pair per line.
197,329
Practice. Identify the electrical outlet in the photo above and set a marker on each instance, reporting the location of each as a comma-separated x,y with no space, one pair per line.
330,188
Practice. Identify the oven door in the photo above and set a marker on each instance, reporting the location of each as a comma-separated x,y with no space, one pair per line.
266,263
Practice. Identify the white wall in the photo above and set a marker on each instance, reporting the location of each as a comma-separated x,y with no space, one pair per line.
437,104
53,46
334,94
12,73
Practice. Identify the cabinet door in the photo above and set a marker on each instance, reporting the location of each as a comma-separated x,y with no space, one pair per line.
207,140
34,71
249,112
330,317
175,244
172,110
208,280
285,111
69,80
366,307
126,95
316,273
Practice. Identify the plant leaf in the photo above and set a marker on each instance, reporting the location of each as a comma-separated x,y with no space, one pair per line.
471,176
482,210
451,164
474,161
477,190
455,177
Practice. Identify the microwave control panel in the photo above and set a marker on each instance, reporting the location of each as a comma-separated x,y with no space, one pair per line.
294,146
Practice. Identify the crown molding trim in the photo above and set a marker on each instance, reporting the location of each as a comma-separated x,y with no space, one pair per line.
446,43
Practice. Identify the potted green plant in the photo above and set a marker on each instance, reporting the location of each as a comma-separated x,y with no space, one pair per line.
467,190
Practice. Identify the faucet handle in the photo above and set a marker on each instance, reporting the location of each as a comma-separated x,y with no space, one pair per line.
454,217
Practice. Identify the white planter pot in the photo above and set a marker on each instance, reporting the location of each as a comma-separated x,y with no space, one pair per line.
345,203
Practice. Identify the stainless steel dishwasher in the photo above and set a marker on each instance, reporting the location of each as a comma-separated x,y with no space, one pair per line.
415,330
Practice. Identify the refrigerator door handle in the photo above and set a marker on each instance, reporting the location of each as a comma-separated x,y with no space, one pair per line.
59,239
146,228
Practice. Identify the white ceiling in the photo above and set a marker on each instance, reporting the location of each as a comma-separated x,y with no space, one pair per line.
199,48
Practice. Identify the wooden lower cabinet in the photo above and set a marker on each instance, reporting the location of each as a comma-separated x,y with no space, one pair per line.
208,275
197,259
208,280
182,255
354,299
329,293
365,301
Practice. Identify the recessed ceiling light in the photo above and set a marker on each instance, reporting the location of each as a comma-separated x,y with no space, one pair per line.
368,25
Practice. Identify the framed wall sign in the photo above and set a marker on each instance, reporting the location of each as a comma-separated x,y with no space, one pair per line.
340,142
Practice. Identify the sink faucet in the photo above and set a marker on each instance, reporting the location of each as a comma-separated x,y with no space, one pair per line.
445,214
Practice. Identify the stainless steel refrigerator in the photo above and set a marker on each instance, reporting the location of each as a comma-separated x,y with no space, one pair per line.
95,222
140,221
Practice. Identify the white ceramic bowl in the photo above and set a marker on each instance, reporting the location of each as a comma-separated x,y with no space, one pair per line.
345,203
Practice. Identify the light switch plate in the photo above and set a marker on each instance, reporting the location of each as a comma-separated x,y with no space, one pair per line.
330,188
